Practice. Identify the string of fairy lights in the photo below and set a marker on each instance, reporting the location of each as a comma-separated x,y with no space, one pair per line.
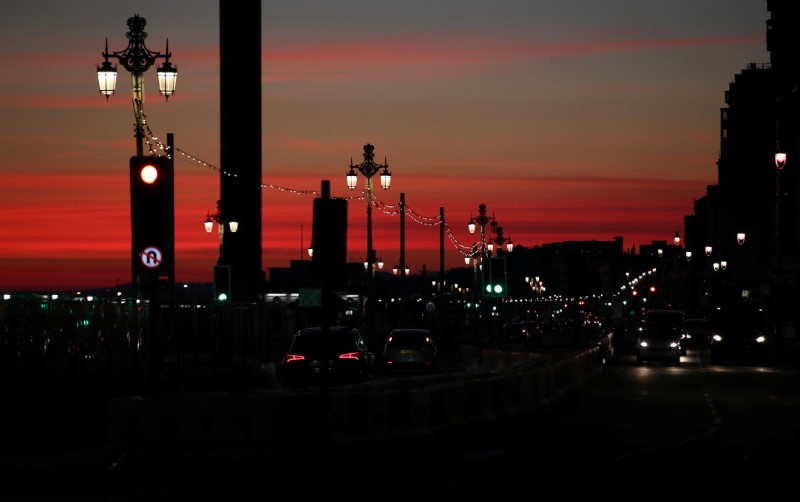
156,147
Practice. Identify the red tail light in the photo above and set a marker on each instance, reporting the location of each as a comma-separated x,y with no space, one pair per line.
294,357
349,355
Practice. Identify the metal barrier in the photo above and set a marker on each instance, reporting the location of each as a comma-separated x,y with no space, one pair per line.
377,411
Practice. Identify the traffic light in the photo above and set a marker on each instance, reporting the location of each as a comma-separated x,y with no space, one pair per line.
494,277
152,215
222,283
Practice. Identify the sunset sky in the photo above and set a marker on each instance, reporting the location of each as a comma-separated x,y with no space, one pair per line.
570,120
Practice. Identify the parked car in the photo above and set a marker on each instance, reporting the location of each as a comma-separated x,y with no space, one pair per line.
327,356
697,333
410,349
659,342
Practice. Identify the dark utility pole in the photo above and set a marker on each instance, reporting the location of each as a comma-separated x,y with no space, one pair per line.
240,143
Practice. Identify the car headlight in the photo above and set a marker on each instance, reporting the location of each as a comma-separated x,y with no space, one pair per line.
761,339
716,338
674,344
643,344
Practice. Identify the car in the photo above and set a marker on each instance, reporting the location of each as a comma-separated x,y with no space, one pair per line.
743,335
533,332
674,317
327,356
523,332
514,332
743,345
697,334
659,342
410,349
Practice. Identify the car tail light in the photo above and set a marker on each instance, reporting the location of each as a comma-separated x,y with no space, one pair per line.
349,355
294,357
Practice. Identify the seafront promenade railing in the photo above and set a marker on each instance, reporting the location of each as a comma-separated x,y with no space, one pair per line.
46,338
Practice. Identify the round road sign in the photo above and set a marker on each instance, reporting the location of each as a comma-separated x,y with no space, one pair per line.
151,257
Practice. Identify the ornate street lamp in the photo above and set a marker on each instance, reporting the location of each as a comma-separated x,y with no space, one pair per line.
379,263
500,240
222,220
537,286
482,220
369,168
137,59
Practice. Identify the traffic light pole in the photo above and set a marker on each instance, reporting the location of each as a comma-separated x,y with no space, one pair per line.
155,353
152,247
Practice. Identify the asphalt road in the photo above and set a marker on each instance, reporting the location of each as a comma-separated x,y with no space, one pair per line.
697,428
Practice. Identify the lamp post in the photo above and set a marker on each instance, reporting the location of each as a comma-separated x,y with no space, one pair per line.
500,239
401,269
137,59
537,286
369,168
780,163
482,220
479,251
379,263
223,220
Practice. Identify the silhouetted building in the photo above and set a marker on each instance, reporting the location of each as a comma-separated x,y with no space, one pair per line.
755,197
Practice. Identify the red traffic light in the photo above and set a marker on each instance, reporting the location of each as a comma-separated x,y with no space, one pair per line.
148,173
